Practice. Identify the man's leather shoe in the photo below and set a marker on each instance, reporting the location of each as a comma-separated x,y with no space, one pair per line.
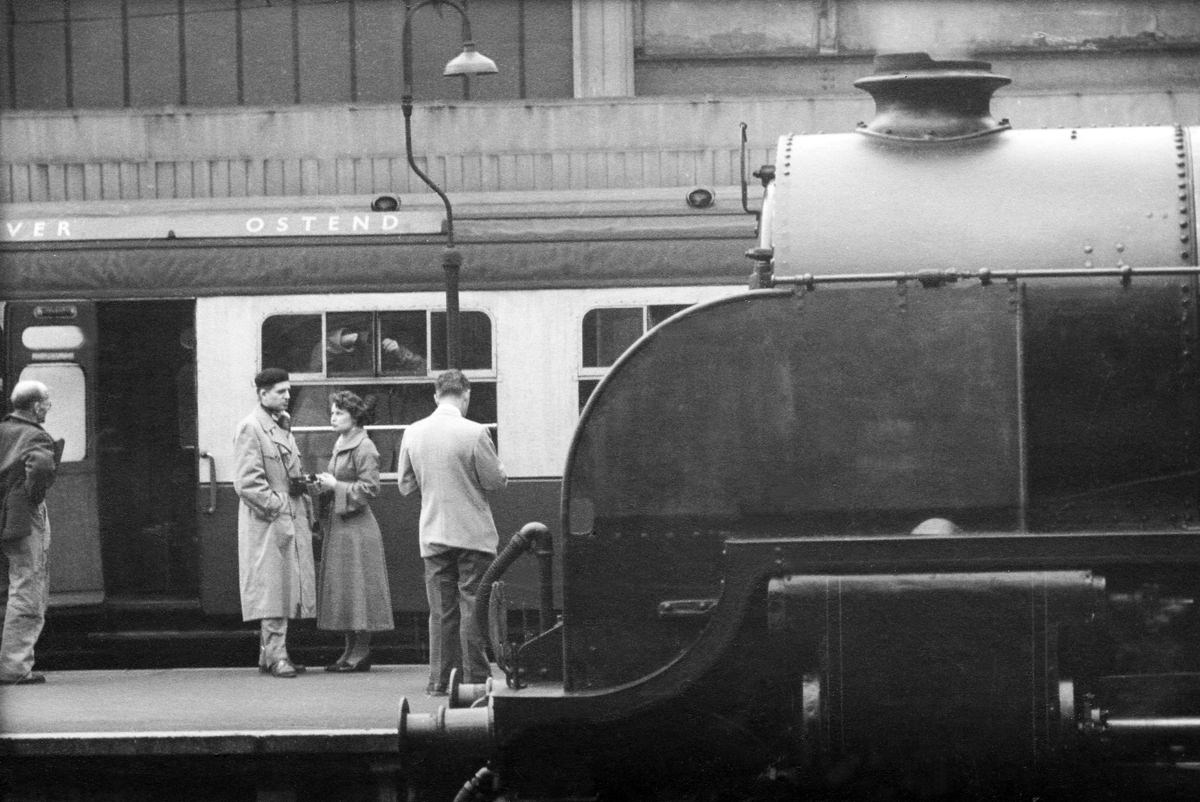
32,678
283,669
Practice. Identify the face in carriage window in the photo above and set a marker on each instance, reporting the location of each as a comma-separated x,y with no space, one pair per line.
349,344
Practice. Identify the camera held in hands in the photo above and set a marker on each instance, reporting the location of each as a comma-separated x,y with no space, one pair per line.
298,485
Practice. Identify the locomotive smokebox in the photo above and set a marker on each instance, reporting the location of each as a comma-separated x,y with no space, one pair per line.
920,99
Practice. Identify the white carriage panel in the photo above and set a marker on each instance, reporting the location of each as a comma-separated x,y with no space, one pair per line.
535,385
226,355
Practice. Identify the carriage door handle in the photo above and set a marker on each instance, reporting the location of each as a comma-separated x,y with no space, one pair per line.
212,482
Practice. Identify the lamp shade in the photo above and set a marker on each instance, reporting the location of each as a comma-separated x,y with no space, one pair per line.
470,62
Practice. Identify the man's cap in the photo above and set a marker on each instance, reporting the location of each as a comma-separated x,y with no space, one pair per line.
267,378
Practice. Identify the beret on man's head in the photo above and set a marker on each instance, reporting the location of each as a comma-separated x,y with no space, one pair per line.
269,377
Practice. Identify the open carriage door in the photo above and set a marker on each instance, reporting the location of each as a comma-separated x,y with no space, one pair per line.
55,343
146,444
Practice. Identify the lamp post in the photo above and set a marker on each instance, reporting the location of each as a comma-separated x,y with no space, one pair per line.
468,62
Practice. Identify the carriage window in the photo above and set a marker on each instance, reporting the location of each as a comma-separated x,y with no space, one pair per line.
475,331
657,314
390,404
373,344
292,342
68,413
388,358
52,338
402,342
349,344
608,332
393,407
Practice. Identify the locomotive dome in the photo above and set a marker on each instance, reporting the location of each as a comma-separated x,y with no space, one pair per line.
935,183
918,98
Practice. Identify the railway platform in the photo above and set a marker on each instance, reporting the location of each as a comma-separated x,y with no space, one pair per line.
207,733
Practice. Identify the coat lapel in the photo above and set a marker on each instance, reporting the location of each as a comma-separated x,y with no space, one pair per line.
342,453
351,442
277,435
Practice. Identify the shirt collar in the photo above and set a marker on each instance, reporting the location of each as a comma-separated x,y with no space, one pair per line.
447,408
28,417
268,421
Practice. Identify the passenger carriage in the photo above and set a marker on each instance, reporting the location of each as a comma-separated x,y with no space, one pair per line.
149,324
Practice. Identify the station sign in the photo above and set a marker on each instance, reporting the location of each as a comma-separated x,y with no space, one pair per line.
196,225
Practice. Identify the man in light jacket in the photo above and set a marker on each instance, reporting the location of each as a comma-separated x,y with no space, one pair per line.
275,557
453,462
27,469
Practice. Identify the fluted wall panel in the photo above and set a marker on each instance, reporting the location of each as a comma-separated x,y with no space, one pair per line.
468,147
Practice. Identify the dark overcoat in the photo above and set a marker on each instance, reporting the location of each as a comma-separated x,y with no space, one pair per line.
27,471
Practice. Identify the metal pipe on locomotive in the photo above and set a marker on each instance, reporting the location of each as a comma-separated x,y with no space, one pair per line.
916,515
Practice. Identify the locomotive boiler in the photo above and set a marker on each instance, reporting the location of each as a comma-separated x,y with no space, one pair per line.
914,517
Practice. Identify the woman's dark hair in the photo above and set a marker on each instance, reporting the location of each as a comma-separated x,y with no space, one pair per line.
360,410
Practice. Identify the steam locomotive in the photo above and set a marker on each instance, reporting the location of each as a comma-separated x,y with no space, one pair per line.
915,517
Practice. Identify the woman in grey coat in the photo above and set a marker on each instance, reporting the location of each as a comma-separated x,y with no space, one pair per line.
353,594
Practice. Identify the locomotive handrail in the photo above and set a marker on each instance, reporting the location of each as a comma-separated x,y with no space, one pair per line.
985,276
533,537
1153,724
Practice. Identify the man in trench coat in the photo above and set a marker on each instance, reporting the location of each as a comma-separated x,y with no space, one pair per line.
275,557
